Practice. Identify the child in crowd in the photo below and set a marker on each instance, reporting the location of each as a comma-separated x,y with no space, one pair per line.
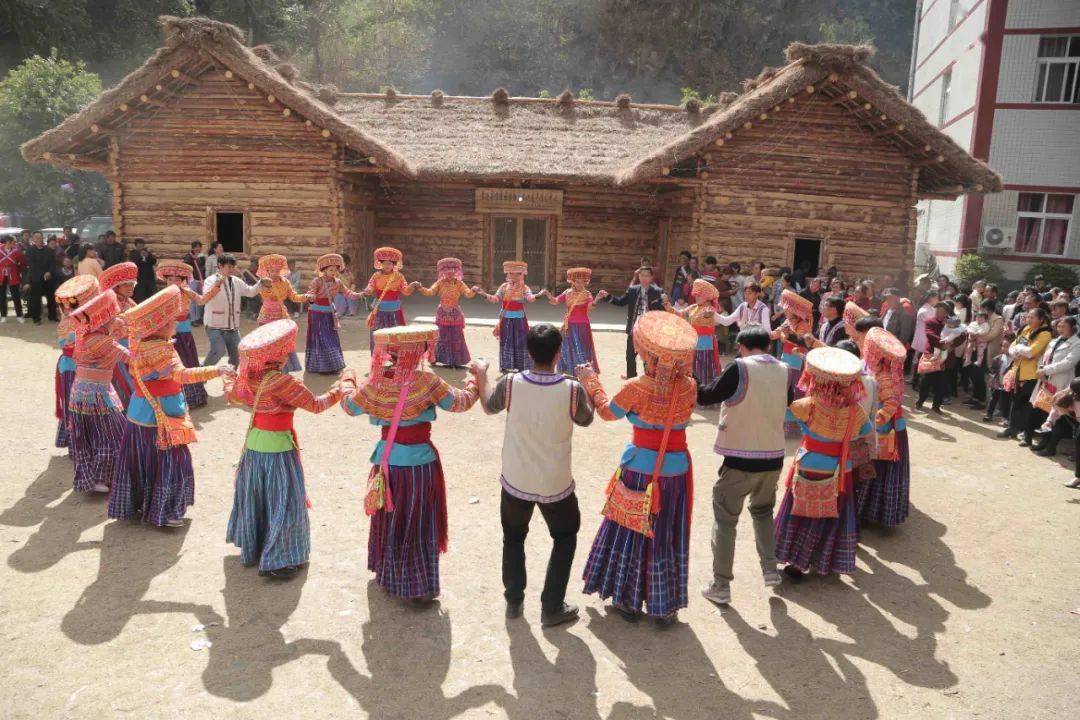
974,349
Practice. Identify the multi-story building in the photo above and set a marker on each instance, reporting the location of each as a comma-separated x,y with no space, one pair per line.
1002,78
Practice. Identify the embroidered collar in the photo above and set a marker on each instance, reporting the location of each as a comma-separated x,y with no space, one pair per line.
542,378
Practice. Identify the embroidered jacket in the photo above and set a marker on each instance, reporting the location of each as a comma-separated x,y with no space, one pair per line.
96,355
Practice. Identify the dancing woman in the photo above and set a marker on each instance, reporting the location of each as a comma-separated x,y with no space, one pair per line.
180,274
69,295
387,285
121,279
406,492
154,475
269,519
640,556
703,318
577,347
513,326
450,350
275,268
322,353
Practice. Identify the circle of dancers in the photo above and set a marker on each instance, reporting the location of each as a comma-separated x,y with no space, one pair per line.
128,374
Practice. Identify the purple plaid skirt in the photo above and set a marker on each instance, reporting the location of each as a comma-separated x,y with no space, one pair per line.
823,545
323,352
632,569
194,393
94,441
512,352
706,365
385,319
884,499
403,543
451,350
158,483
577,349
63,391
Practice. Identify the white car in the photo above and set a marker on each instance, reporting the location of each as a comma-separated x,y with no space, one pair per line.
13,231
51,231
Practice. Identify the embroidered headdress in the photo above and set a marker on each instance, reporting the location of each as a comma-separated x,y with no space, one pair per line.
125,272
704,290
883,352
330,260
831,377
795,304
272,266
516,267
173,269
388,253
154,313
665,340
95,313
579,273
398,352
76,291
852,314
449,269
265,344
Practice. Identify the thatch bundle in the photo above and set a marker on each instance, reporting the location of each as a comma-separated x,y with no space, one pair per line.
831,57
500,97
437,98
197,30
622,101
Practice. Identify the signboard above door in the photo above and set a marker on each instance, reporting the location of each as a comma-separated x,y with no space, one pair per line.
527,201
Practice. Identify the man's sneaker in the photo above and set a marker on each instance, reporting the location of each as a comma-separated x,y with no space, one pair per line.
1074,483
3,319
177,522
21,320
513,610
718,593
771,577
566,613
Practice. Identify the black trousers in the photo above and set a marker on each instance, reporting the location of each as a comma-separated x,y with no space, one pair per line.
631,357
1020,414
976,375
935,382
39,289
999,400
16,297
563,520
1064,427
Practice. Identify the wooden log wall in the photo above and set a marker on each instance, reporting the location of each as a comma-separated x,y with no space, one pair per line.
610,231
808,170
679,205
222,145
357,197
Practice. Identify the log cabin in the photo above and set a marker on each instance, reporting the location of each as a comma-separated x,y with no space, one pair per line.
819,161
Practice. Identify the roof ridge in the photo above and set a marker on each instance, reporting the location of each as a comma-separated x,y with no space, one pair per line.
520,99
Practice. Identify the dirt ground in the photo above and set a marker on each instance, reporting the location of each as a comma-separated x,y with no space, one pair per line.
970,609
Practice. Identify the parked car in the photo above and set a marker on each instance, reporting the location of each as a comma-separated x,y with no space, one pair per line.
57,231
14,231
89,228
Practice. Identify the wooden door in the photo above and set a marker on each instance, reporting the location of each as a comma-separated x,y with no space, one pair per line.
518,237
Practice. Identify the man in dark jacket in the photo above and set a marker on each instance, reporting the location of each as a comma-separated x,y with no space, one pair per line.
110,252
40,264
896,318
641,297
145,261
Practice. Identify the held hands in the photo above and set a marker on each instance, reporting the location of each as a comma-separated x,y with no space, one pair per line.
585,372
266,282
478,368
601,295
227,371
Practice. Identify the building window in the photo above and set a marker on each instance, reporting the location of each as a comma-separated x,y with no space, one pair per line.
954,13
1042,226
946,90
520,238
1058,68
229,230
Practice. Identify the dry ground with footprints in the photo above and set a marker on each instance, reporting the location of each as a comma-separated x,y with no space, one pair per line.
971,609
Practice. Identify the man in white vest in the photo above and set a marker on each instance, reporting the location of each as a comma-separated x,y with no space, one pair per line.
753,392
542,406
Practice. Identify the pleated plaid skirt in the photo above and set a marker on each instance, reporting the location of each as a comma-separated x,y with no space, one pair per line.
94,442
635,570
64,381
451,350
512,352
706,365
322,353
385,319
884,499
194,393
577,349
821,545
269,520
160,484
403,543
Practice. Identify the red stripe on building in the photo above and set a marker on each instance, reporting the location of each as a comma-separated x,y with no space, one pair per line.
1044,188
926,10
1057,259
982,131
961,116
1038,106
933,80
1044,31
949,34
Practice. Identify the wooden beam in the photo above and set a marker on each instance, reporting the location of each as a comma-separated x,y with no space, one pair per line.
889,131
929,161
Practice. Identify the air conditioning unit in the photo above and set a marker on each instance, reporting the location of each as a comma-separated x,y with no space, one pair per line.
999,239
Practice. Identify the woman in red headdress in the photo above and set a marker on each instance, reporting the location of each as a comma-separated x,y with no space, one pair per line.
450,350
578,347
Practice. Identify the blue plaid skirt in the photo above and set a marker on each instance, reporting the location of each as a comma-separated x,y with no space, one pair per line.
577,349
512,352
323,352
94,440
821,545
884,499
635,570
158,483
64,381
269,520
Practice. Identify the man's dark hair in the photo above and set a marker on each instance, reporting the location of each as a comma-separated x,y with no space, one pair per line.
754,337
686,254
646,268
110,233
543,343
836,302
993,287
7,238
989,306
943,306
753,287
226,259
850,346
195,244
864,324
710,260
140,241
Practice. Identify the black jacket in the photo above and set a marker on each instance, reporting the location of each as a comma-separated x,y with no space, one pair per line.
632,300
39,260
110,254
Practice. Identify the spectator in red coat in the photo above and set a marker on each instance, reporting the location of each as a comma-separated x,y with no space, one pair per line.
12,265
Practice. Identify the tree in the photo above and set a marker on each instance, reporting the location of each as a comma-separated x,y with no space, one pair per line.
34,97
971,267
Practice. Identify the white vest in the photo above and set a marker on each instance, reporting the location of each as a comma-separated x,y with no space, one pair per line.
752,420
539,428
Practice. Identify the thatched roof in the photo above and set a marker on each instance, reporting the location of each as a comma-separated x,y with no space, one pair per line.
445,137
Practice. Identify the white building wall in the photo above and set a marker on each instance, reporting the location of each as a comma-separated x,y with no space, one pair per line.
1037,147
1016,83
935,27
1041,13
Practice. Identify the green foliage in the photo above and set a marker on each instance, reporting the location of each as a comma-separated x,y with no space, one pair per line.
35,96
972,267
692,94
544,94
1056,275
586,94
